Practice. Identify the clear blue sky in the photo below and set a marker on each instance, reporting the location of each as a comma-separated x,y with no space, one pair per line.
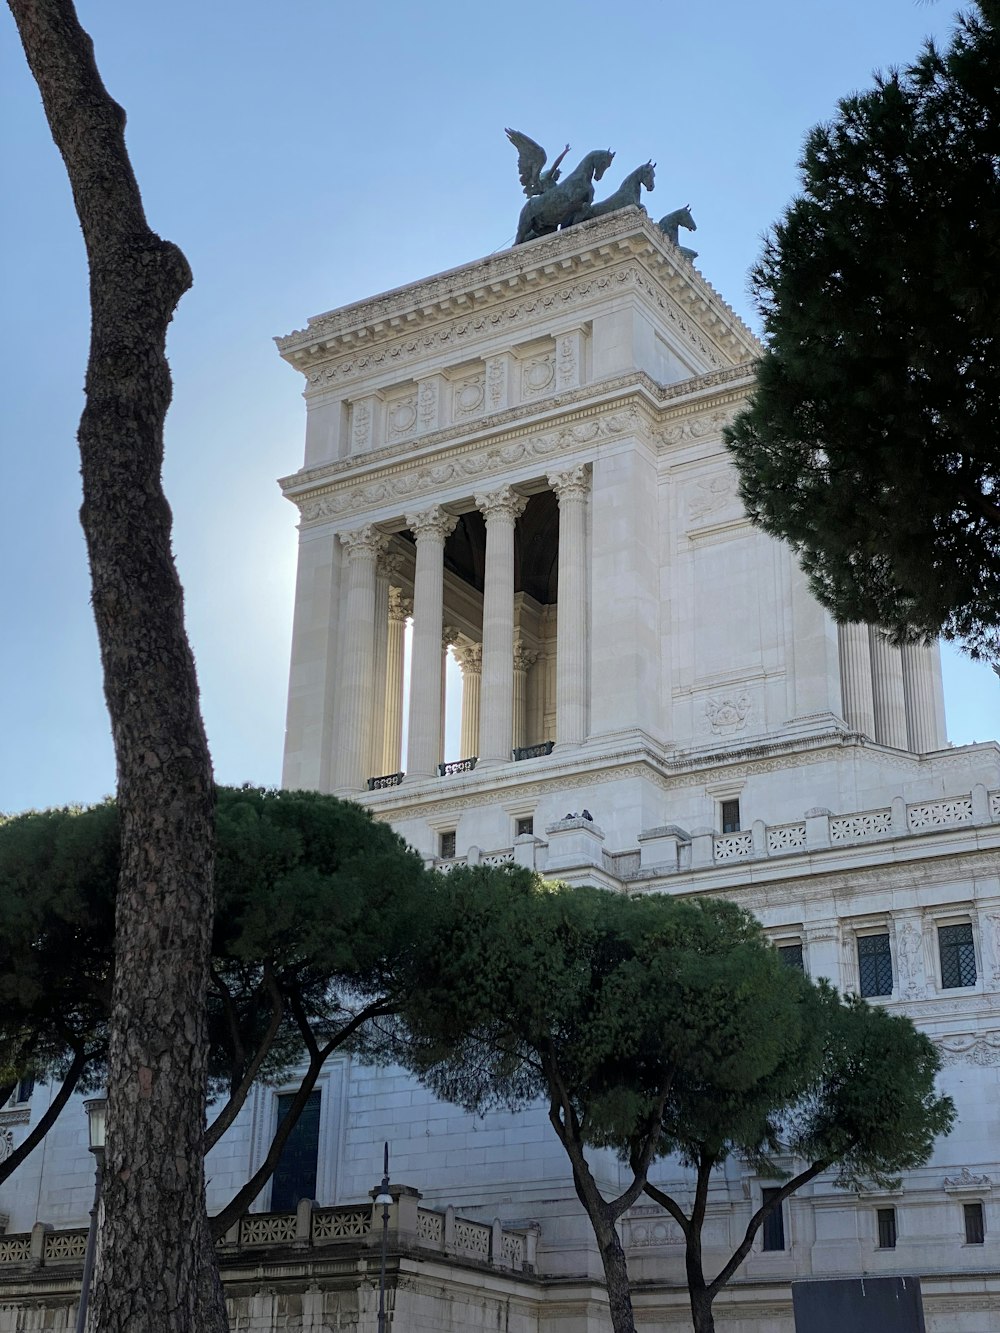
312,152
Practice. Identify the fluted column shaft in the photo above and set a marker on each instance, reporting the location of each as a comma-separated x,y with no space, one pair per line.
470,659
919,693
856,678
392,745
501,509
524,660
386,567
363,549
887,692
572,488
431,528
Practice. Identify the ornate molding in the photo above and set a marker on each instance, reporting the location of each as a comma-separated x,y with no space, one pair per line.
484,289
468,467
400,607
981,1048
524,658
470,658
966,1182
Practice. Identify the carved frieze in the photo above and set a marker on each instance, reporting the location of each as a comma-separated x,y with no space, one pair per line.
981,1048
471,466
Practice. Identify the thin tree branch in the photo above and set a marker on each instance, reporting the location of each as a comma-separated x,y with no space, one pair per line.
81,1058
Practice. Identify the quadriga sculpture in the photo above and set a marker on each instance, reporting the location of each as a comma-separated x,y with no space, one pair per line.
557,204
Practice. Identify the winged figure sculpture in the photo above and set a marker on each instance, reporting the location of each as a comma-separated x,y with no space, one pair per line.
531,159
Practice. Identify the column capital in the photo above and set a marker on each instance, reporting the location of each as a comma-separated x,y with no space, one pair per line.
449,635
470,658
400,607
524,658
432,522
390,564
573,484
504,502
366,542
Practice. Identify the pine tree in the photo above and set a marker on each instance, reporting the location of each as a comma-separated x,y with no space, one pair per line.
872,441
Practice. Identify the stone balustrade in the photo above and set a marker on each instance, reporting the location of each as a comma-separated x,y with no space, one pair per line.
309,1228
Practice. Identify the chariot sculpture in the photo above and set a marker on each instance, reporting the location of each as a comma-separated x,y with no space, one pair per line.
555,204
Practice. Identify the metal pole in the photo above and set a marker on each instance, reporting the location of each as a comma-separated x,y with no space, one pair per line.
88,1261
385,1196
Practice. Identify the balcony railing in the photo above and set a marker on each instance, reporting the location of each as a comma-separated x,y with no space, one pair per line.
532,751
387,780
457,766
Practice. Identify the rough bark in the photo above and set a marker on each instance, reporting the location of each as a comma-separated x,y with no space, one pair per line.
153,1242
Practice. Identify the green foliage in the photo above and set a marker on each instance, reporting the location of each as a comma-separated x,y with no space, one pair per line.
315,904
537,987
870,443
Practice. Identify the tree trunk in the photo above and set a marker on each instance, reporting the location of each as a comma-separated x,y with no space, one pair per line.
701,1311
615,1276
153,1242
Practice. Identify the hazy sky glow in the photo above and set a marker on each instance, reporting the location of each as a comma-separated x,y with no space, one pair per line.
306,154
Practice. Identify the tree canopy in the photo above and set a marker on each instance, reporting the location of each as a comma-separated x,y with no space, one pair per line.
318,911
870,441
654,1026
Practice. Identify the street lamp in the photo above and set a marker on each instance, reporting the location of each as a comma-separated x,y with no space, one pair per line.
384,1198
97,1110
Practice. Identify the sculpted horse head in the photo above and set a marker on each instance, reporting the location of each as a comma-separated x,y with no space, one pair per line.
561,205
680,217
627,193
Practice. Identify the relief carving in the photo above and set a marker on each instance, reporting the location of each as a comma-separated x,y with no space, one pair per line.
727,714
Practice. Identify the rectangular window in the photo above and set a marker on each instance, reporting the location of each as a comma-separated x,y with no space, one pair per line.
774,1223
958,956
523,826
23,1091
730,816
874,965
791,955
446,848
887,1228
975,1231
295,1175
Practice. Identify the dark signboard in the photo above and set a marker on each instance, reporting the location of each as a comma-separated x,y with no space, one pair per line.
858,1305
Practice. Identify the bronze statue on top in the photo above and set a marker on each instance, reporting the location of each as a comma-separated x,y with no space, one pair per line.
554,204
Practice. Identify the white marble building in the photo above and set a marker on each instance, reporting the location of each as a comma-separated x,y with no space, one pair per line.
525,455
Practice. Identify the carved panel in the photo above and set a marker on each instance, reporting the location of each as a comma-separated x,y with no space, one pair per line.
468,397
341,1223
538,375
786,838
15,1249
940,814
473,1238
733,846
430,1227
267,1229
64,1245
857,828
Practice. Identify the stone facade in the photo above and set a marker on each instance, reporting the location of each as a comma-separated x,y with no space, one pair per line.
525,456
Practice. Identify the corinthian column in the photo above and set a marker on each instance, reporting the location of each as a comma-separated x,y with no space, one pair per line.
470,659
385,569
856,678
449,635
887,692
572,488
919,692
501,509
431,528
392,751
524,660
363,546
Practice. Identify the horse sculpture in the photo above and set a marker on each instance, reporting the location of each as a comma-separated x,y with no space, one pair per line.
670,224
627,193
563,204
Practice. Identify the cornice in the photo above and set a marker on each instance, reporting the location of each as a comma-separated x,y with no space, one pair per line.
505,437
489,286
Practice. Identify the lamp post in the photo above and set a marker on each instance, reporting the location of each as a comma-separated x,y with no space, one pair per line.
384,1198
97,1109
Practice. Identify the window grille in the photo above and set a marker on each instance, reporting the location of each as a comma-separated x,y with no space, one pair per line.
874,965
523,826
730,816
791,955
958,956
887,1228
975,1231
446,848
774,1223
